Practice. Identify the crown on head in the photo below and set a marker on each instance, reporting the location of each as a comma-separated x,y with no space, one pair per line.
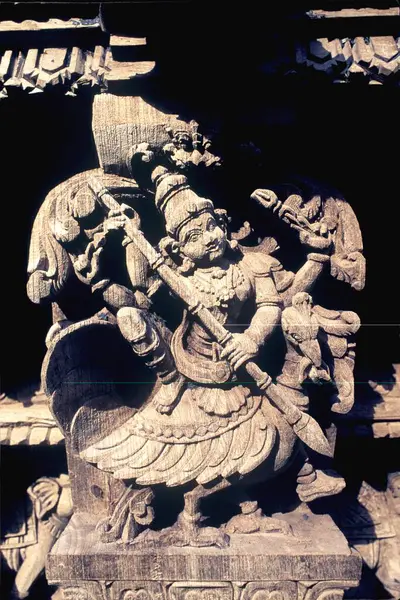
176,201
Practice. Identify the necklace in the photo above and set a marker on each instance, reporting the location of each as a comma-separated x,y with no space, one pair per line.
218,284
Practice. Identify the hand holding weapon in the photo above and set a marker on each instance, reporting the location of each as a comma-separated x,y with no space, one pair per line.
304,426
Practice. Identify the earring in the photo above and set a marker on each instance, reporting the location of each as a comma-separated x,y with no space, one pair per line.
187,266
233,244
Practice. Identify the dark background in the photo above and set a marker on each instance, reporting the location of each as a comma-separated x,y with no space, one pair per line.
344,136
269,130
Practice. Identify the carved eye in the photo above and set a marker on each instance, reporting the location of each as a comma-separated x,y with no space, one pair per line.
193,237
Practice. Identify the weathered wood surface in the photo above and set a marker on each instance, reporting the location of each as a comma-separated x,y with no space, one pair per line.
28,425
393,11
112,61
377,413
51,24
205,416
201,414
318,552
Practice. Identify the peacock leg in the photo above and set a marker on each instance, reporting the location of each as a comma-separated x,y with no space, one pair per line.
187,530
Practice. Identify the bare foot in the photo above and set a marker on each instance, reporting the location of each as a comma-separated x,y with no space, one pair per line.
326,483
168,395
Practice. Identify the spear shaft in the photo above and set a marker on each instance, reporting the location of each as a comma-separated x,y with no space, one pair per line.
304,426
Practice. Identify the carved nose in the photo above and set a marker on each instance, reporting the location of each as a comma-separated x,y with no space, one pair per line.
311,349
209,239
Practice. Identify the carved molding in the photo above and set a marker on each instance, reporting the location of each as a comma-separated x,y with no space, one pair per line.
374,58
267,590
207,590
137,590
34,70
75,592
202,590
28,425
329,590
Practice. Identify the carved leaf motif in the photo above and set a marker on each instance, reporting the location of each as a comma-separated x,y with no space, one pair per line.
265,590
77,593
135,595
329,590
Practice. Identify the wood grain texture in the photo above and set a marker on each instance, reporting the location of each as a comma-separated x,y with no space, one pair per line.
318,552
198,421
146,406
317,560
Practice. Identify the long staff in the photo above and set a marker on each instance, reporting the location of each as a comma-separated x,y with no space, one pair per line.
304,426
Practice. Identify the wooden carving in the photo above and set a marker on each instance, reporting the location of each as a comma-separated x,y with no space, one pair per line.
24,546
204,414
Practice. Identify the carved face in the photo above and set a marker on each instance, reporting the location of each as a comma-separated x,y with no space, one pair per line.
202,239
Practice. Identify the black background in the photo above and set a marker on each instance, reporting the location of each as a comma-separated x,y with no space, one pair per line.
269,130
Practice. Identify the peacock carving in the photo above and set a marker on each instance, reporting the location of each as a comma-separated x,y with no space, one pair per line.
206,416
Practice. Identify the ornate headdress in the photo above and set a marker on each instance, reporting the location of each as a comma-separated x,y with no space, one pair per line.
176,201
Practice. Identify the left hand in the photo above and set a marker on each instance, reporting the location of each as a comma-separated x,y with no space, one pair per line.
316,241
240,349
267,199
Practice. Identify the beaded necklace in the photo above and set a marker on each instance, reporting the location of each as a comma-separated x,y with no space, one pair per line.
218,284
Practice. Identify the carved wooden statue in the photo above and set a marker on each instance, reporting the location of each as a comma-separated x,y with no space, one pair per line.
206,416
25,551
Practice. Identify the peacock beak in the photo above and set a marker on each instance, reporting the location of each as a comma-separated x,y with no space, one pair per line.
312,350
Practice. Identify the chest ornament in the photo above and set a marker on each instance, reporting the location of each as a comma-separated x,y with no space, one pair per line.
217,284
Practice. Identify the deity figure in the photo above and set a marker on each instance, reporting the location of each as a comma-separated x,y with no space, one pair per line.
213,418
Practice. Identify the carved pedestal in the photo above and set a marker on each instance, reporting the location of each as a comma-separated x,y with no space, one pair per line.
314,563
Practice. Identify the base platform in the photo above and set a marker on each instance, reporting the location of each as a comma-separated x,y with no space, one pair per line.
315,563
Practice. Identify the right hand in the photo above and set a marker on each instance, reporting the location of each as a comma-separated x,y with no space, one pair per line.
239,350
121,218
115,221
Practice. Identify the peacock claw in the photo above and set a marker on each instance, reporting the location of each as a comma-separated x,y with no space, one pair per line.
186,532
